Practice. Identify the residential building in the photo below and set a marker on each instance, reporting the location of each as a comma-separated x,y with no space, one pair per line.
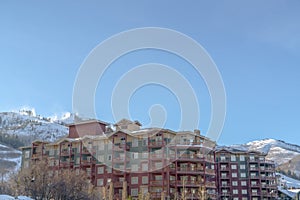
152,160
245,175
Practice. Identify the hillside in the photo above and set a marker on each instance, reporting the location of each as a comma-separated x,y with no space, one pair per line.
277,150
10,160
20,129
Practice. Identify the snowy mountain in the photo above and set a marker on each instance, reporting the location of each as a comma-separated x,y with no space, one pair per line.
277,150
27,126
20,128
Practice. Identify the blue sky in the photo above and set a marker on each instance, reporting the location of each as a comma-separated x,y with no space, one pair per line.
255,45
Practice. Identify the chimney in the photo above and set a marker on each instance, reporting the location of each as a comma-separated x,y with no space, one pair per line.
197,131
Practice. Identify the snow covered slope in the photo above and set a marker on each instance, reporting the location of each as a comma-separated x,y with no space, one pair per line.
277,150
10,160
28,127
20,129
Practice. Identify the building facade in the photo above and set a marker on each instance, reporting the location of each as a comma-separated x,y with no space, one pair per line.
245,175
160,162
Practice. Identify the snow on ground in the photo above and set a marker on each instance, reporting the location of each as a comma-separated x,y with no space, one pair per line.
289,182
7,197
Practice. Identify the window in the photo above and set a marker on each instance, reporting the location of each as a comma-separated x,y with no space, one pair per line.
100,182
235,198
145,142
88,171
234,183
158,165
224,191
234,175
134,192
245,198
27,154
144,166
121,167
233,158
100,170
224,183
253,183
100,145
235,191
233,166
223,175
145,154
145,180
244,191
223,158
242,167
108,170
223,166
134,167
159,177
135,143
100,158
243,183
251,157
51,153
134,180
26,164
243,175
242,158
135,155
109,157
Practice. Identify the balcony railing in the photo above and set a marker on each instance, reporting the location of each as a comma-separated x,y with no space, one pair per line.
187,183
156,143
158,183
188,169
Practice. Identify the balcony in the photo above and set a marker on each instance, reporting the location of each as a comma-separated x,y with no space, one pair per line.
66,164
253,160
255,185
254,169
210,184
85,151
210,171
158,183
66,152
187,183
187,170
224,169
189,157
86,162
255,194
225,185
225,177
224,160
121,147
255,177
156,144
118,172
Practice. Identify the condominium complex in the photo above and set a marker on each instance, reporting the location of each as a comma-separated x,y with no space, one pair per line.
159,162
245,175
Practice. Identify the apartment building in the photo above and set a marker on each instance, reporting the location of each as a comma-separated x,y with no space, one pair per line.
155,161
245,175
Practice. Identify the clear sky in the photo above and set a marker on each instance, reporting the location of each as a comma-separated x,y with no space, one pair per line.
255,44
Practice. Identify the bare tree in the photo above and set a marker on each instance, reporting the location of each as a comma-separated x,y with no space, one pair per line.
39,182
124,190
